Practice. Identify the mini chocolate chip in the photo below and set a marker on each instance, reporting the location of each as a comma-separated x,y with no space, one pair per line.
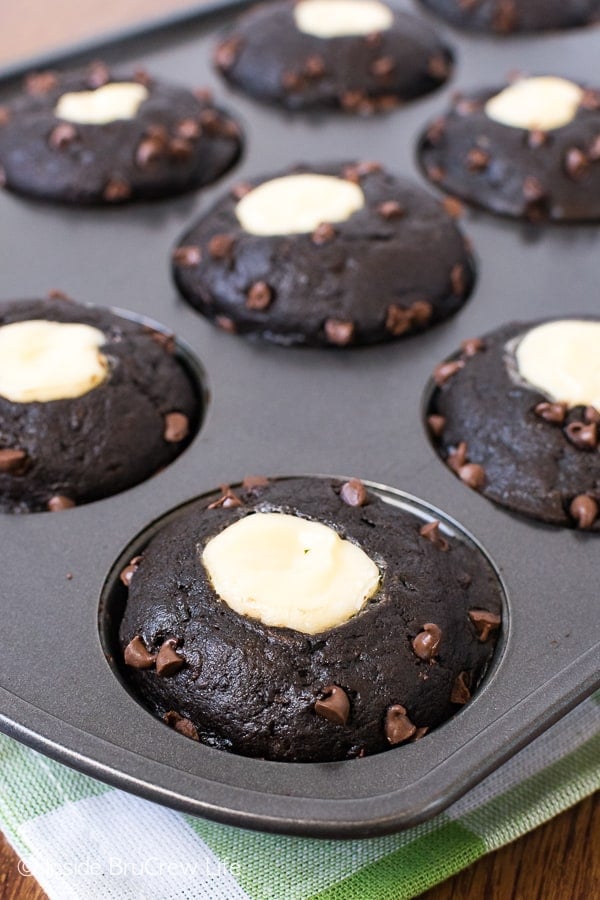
137,655
590,99
594,149
431,531
583,436
537,138
221,246
240,189
391,209
472,346
419,733
373,39
477,159
177,427
465,106
339,331
421,312
354,493
464,579
203,94
398,320
41,82
426,643
576,163
55,294
323,234
446,370
551,412
352,100
533,191
254,483
591,414
457,279
453,207
436,424
209,119
435,173
182,725
62,135
149,150
159,132
188,129
227,500
116,190
180,149
98,74
505,17
334,705
142,76
314,66
225,324
292,82
438,67
398,727
166,341
13,461
4,115
187,256
129,571
59,502
460,693
473,475
485,622
368,167
458,457
259,296
584,509
383,67
168,662
227,53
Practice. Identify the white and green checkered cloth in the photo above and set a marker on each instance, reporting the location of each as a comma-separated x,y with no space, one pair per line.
80,838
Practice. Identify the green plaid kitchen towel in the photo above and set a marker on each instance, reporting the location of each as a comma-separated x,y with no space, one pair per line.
80,838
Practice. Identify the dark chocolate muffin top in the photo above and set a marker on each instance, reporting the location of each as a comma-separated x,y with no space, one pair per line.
362,56
90,404
393,621
505,17
94,137
516,416
530,150
338,255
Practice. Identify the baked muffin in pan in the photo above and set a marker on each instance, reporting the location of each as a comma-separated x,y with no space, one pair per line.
506,17
362,56
90,404
305,619
530,150
516,415
97,137
336,255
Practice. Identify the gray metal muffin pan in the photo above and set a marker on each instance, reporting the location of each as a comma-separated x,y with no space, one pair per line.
289,411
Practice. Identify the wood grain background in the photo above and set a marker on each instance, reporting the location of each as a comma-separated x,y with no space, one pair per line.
560,860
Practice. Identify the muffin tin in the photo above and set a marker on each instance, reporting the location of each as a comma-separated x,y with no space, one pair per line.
274,411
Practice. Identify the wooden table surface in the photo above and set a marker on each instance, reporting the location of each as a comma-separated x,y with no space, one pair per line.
560,860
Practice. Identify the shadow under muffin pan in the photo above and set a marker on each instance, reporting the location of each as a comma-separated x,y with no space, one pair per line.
276,410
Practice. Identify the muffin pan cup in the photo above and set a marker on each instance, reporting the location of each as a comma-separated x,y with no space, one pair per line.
291,411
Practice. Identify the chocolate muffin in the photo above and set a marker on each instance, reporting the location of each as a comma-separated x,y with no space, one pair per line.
90,404
505,17
305,619
516,415
94,137
362,56
338,255
529,150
